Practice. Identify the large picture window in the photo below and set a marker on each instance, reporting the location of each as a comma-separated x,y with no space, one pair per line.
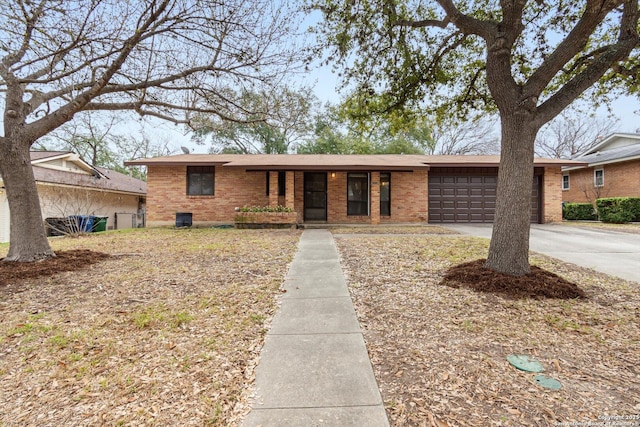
358,194
385,194
200,180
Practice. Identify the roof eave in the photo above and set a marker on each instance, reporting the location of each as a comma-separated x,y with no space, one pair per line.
603,163
88,187
150,162
330,168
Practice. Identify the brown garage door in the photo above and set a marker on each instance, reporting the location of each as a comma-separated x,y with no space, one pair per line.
461,196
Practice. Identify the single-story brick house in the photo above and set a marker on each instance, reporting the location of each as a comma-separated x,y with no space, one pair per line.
67,185
611,168
340,189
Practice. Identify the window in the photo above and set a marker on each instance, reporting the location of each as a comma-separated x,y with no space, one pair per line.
268,182
385,194
565,182
282,180
598,178
358,194
200,181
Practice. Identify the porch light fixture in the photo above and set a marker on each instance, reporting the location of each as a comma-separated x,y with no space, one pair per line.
333,174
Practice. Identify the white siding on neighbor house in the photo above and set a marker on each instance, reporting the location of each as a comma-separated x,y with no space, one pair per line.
4,217
622,141
57,201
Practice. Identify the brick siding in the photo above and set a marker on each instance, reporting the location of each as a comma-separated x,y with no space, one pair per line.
167,195
236,188
620,180
552,195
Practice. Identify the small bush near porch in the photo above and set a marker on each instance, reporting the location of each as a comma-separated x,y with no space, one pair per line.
265,217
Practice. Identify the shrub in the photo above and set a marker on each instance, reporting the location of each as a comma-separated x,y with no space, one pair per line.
633,205
579,211
617,210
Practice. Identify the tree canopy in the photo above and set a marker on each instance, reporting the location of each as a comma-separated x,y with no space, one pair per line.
276,121
433,55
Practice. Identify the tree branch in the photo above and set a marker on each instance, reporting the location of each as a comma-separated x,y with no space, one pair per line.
422,23
575,42
628,39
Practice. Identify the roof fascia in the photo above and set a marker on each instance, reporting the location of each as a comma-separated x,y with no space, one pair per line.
86,187
330,168
70,157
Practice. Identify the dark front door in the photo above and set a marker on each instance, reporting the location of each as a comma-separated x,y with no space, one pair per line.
315,196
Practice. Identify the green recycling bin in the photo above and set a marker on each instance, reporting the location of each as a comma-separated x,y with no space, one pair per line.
99,223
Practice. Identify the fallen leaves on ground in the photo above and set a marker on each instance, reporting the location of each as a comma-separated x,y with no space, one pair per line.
392,229
439,353
166,330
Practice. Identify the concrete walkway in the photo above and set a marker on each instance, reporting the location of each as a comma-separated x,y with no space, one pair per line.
314,369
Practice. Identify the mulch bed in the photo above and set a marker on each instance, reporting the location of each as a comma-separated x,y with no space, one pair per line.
71,260
537,284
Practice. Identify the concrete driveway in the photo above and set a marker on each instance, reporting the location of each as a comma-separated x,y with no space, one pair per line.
610,252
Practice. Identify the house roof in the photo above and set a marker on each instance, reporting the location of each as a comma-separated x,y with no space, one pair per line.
617,147
39,155
611,141
92,176
628,152
397,162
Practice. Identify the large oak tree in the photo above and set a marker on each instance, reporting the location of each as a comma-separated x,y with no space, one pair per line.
163,58
526,59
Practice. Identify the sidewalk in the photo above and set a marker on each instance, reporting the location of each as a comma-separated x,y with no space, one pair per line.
314,369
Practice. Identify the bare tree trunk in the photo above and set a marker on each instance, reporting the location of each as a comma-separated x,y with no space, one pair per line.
28,238
509,248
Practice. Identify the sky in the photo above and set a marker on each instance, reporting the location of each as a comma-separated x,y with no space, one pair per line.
325,82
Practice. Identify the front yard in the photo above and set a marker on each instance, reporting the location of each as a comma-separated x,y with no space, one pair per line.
439,353
168,329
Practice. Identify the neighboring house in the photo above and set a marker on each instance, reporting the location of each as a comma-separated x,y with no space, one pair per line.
340,189
612,169
67,185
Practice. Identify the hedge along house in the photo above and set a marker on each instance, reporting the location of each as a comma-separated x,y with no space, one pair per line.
67,185
611,168
340,189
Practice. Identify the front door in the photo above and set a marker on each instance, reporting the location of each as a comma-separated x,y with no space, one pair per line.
315,196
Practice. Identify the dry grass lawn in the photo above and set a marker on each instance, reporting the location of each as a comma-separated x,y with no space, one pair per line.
166,331
439,353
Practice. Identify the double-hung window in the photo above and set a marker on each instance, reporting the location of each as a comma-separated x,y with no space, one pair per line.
200,180
598,177
565,182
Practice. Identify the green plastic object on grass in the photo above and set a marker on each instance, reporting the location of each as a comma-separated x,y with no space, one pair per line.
525,363
547,382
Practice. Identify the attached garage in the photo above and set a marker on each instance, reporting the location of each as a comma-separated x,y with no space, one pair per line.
469,195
